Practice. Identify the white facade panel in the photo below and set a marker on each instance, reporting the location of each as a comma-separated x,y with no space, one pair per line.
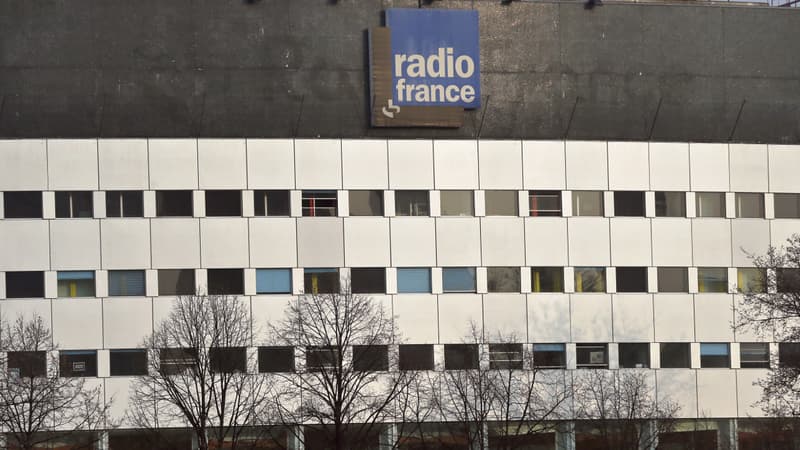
126,321
783,163
75,244
24,245
175,243
125,243
224,242
364,164
500,164
543,165
673,317
318,163
628,166
366,242
123,164
591,318
713,393
24,165
549,318
749,168
500,241
455,164
748,237
78,323
320,242
173,163
546,241
504,318
678,386
632,317
669,166
72,164
273,242
222,163
587,165
630,239
270,164
458,241
413,241
672,242
709,167
457,315
713,317
417,318
410,164
711,242
588,241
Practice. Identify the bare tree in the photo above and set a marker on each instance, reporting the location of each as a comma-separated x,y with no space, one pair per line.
37,405
622,409
346,377
200,374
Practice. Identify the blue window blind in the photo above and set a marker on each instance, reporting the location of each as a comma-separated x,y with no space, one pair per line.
458,279
548,347
413,280
273,281
714,349
125,282
76,275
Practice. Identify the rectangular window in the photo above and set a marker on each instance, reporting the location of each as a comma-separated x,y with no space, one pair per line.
366,203
505,356
754,355
228,359
714,355
587,203
710,204
673,279
174,204
547,279
751,280
225,282
750,205
675,355
460,356
591,356
27,364
789,354
321,281
126,283
22,204
787,206
223,203
124,204
458,279
368,280
629,204
24,284
77,363
712,279
176,282
457,203
413,280
173,361
416,357
275,359
129,362
271,203
76,284
503,279
321,358
371,358
544,203
634,356
788,280
590,279
549,356
274,281
319,203
631,279
412,203
502,203
73,204
670,204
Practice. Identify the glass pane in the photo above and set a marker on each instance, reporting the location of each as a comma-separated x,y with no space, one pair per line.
503,279
547,279
225,282
457,203
788,280
273,281
371,358
590,279
275,359
76,284
368,280
710,204
634,355
176,282
174,203
460,356
223,203
128,362
416,357
750,205
670,204
366,203
712,279
271,203
501,203
549,355
321,281
544,203
458,279
505,356
413,280
411,203
673,279
587,203
751,280
631,279
675,355
754,355
787,206
319,203
591,355
78,363
24,284
22,205
126,282
629,204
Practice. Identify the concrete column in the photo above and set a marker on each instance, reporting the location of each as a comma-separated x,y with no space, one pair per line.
388,437
102,443
565,436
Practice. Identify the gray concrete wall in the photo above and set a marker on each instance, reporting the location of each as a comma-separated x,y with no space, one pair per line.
71,68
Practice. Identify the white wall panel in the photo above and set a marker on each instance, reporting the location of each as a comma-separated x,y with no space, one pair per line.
75,244
709,167
126,321
417,318
270,163
175,243
749,169
222,163
72,164
543,165
28,309
587,165
413,241
366,242
713,317
455,164
628,166
672,242
591,318
77,323
632,317
678,386
118,388
24,245
748,392
273,242
714,389
546,241
364,164
173,163
24,165
268,311
749,236
500,164
783,163
224,242
123,164
504,318
549,318
711,242
673,317
458,241
410,164
588,241
780,230
630,241
502,241
457,312
320,242
125,243
318,163
669,166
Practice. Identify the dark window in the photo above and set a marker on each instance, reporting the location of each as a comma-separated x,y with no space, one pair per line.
754,355
73,204
412,203
27,364
275,359
366,203
75,283
751,280
319,203
787,206
501,203
547,279
458,279
228,359
78,363
22,204
631,279
225,282
124,204
223,203
670,204
590,279
368,280
549,356
629,204
460,356
715,355
176,282
173,361
416,357
673,279
505,356
321,358
788,280
591,356
789,354
24,284
675,356
271,203
587,203
126,283
634,355
712,279
174,204
750,205
128,362
321,281
457,203
710,204
371,358
503,279
544,203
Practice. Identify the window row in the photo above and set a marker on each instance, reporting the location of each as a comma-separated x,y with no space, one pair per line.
228,203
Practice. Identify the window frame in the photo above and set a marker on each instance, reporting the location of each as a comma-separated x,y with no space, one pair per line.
662,280
280,352
117,204
223,203
230,286
267,285
492,285
410,360
368,280
461,356
76,276
75,201
663,201
579,282
622,206
20,204
89,366
371,358
783,200
328,203
177,291
543,350
712,284
308,275
31,364
124,283
582,196
264,199
746,348
673,347
368,211
536,196
168,199
139,352
494,203
415,206
637,349
702,197
583,349
227,359
742,206
711,358
411,271
452,271
506,356
450,203
24,277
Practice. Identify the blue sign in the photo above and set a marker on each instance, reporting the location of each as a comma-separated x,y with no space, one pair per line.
435,57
